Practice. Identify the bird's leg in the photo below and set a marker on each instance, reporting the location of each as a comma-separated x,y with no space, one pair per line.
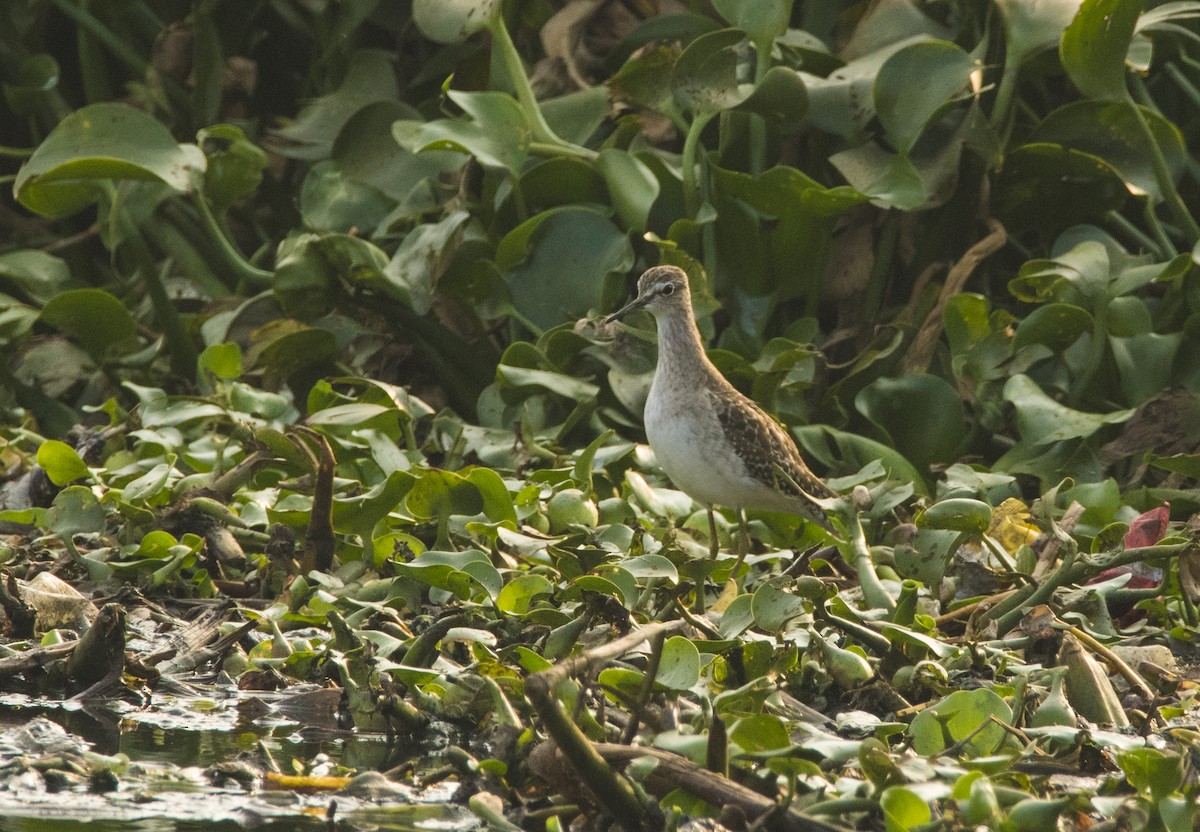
714,544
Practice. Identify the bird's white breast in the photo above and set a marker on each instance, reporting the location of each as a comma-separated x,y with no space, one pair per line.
691,448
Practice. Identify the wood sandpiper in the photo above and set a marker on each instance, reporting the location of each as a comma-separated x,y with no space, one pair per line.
715,444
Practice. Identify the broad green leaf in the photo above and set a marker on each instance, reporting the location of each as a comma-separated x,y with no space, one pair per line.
1150,771
422,259
60,462
370,78
452,21
222,360
1110,131
497,501
914,83
760,732
773,607
517,596
437,494
780,96
94,318
843,102
75,511
679,667
762,20
574,262
651,566
963,716
40,276
1085,188
235,164
705,78
497,134
1041,420
1055,325
1145,363
960,514
1094,46
151,483
645,80
284,347
632,186
903,809
1033,25
921,413
98,144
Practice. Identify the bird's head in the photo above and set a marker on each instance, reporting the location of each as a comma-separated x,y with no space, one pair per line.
662,291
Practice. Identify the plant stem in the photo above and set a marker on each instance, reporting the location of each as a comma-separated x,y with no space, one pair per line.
544,148
758,124
89,23
856,551
1162,175
690,161
233,259
1140,237
520,81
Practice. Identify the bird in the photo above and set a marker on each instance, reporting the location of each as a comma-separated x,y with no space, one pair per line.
715,444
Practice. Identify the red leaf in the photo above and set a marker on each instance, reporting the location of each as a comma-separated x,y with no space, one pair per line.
1149,528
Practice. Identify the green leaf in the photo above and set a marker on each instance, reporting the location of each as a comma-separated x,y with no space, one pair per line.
705,77
95,145
1151,772
1110,130
903,809
760,732
222,360
646,567
632,186
40,276
1033,25
60,462
422,258
1041,420
1055,325
960,514
497,134
452,21
773,607
370,78
95,318
962,714
922,414
1085,188
517,596
437,494
762,20
1094,46
913,85
679,667
75,511
235,164
151,483
574,262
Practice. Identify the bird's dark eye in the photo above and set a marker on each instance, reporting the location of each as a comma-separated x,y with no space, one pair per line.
669,289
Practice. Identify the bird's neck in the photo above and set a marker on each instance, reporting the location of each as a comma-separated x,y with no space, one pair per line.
680,351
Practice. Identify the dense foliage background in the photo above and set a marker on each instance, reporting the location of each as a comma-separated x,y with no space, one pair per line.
331,273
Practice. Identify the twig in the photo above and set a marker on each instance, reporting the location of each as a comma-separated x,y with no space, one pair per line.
612,792
1049,552
676,772
921,352
647,688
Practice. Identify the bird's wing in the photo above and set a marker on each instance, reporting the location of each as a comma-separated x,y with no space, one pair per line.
752,432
